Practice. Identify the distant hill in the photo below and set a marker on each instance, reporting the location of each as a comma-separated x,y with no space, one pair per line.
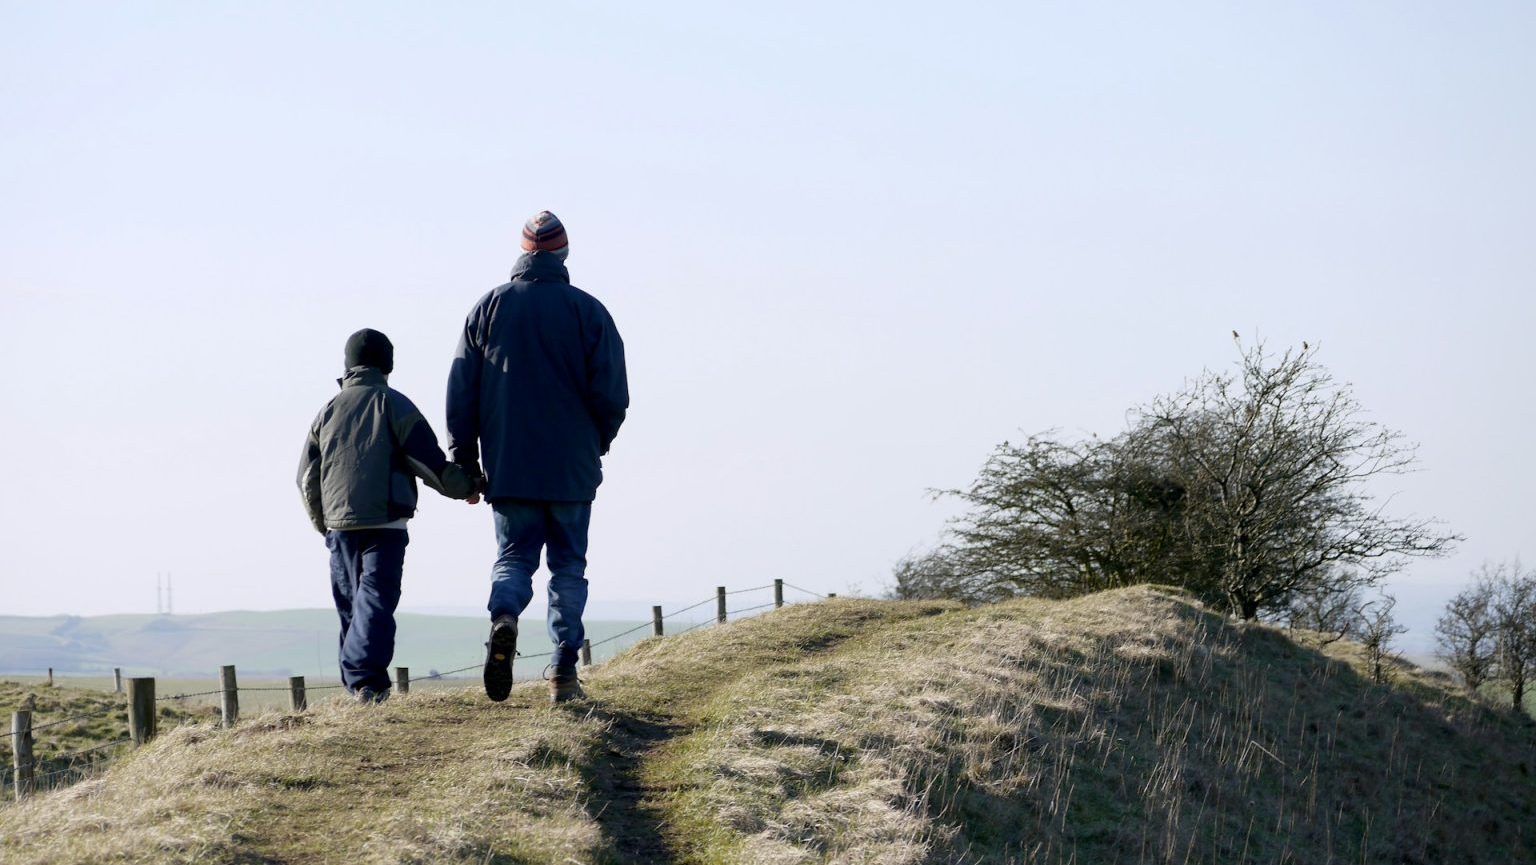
273,643
1133,726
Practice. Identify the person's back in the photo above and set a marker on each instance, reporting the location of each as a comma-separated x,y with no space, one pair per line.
360,482
538,389
540,381
357,478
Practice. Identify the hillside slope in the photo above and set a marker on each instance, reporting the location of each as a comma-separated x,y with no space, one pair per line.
1131,726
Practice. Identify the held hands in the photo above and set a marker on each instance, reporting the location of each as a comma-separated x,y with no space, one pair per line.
477,478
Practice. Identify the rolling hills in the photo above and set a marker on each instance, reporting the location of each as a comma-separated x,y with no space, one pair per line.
1132,726
265,643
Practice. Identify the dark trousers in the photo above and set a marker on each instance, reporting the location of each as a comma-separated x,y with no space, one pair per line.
365,583
523,530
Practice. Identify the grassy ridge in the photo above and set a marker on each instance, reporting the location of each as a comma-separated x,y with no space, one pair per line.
1125,727
1131,726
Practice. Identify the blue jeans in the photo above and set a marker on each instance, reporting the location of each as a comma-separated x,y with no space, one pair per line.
366,565
523,529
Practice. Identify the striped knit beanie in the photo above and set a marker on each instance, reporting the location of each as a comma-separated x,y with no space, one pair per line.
545,233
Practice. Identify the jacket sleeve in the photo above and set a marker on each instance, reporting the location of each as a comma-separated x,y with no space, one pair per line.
418,444
464,397
607,379
309,478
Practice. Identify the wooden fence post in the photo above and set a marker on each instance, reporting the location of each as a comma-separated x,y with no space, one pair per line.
586,653
831,595
117,680
296,693
229,696
50,677
720,604
141,710
656,620
21,747
402,680
778,593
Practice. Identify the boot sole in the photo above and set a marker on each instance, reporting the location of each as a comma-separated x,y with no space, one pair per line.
498,662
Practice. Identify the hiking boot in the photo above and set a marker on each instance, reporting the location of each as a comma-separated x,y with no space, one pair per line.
369,696
500,650
564,685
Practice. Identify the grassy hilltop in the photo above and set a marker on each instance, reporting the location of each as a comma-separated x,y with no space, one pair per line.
1126,727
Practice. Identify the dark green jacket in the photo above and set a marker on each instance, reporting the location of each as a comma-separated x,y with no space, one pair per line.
363,455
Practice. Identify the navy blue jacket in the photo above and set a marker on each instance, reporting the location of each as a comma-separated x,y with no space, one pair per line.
538,387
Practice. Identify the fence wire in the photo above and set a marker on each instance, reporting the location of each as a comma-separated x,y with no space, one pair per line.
188,696
73,754
640,627
696,625
447,673
753,589
687,608
80,717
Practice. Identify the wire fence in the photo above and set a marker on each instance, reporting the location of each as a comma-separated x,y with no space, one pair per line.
83,716
50,771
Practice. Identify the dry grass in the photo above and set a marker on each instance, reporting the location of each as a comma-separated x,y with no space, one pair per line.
432,778
1127,727
70,724
1124,727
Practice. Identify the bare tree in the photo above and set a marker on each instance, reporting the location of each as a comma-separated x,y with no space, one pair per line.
1052,518
1247,489
1468,631
1379,630
940,573
1335,609
1275,461
1514,613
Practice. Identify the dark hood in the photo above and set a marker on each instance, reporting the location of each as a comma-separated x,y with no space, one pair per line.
540,267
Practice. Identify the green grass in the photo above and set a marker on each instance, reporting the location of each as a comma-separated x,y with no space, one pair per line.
1128,727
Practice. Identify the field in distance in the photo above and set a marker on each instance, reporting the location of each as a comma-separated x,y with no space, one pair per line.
269,644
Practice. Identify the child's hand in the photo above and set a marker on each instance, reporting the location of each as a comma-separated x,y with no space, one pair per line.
474,499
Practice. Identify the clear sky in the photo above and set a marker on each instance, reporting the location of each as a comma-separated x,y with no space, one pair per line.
850,248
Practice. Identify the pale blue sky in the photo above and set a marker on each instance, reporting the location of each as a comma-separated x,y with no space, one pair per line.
850,248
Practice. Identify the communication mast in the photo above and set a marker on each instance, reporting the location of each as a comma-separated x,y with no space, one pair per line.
162,594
